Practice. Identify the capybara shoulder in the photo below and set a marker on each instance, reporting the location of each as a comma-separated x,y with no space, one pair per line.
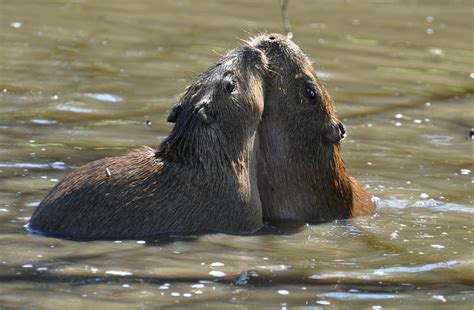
301,174
201,179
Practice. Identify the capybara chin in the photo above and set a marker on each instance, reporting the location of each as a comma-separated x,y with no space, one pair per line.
202,178
301,174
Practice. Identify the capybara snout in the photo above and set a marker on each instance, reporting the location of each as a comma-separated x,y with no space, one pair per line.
335,133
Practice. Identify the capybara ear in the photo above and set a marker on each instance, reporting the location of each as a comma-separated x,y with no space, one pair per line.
174,113
205,113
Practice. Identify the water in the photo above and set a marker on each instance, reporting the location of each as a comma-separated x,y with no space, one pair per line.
79,80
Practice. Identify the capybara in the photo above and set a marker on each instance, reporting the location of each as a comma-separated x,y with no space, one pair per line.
301,174
201,179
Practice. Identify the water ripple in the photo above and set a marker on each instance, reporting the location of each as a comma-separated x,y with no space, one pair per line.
414,269
104,97
57,165
428,203
337,295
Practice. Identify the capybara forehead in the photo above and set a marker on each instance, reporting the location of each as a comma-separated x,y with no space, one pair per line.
241,61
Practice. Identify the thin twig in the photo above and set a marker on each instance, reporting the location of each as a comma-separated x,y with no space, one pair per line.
286,20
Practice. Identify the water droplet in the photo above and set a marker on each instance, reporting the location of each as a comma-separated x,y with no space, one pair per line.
323,302
105,97
197,285
43,121
283,292
217,264
217,273
16,24
119,273
424,196
439,297
33,204
436,53
394,235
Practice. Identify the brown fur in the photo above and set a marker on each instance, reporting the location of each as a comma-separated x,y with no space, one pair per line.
301,174
202,179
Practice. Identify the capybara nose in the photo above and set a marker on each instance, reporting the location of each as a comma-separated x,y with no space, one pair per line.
272,37
267,40
336,133
342,128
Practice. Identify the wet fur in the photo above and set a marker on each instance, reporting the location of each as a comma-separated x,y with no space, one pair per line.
201,179
301,176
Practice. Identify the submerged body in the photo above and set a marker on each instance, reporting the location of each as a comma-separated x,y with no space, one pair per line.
201,179
301,174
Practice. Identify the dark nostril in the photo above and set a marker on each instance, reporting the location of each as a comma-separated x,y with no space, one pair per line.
272,38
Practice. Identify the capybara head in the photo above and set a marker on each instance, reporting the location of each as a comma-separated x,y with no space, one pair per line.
222,107
296,94
301,174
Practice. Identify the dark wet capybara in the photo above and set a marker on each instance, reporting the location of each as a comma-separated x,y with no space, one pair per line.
301,174
202,178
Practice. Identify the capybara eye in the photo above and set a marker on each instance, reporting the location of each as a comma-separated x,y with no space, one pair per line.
310,92
229,85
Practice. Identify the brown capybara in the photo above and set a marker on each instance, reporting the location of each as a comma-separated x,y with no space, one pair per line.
202,178
301,174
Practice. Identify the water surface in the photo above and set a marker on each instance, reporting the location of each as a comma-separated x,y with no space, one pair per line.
79,79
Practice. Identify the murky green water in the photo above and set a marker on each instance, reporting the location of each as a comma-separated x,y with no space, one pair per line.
78,79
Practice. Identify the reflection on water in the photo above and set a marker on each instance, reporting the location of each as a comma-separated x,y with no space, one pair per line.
82,80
